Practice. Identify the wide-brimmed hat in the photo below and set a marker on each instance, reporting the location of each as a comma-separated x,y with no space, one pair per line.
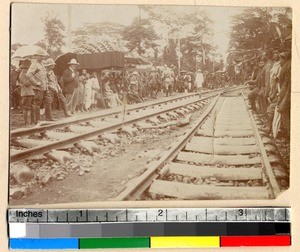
73,62
49,62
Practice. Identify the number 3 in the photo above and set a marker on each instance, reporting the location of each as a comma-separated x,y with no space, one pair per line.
241,212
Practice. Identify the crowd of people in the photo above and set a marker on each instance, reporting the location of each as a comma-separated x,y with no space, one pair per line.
36,88
148,83
137,85
270,85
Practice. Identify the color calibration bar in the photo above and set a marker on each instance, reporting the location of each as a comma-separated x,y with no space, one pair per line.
115,230
150,242
147,235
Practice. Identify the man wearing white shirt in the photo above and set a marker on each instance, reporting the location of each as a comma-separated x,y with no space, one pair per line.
199,80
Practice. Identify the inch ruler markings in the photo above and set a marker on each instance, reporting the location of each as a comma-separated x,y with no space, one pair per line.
148,215
152,228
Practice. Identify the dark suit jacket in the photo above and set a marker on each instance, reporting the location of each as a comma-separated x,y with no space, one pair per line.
69,83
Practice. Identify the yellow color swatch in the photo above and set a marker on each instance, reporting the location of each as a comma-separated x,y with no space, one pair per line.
185,242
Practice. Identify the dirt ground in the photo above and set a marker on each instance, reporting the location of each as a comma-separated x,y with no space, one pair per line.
112,171
109,174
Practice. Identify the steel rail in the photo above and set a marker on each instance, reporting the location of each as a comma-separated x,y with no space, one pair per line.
135,107
275,190
137,187
55,145
110,112
115,111
158,168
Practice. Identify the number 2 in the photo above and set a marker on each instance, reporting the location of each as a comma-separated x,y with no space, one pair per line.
160,212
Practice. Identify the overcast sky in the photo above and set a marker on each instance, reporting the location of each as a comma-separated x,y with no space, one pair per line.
27,27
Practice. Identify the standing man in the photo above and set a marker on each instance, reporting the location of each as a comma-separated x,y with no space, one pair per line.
192,80
199,80
153,82
265,87
37,73
256,84
274,87
173,78
27,93
80,93
167,79
70,82
15,88
81,90
284,95
54,88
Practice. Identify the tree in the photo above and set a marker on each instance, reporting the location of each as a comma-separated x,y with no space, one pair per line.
169,54
54,35
97,33
198,44
254,31
260,28
190,32
168,24
41,44
140,36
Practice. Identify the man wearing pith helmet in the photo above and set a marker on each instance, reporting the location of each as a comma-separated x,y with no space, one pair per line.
37,74
71,83
54,88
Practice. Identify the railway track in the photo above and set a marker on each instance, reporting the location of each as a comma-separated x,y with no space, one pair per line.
26,143
106,113
221,156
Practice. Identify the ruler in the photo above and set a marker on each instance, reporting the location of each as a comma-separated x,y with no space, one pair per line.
148,228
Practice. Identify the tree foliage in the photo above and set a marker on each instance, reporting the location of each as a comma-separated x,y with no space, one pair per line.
98,32
256,31
260,28
140,36
41,44
198,45
188,35
54,35
169,54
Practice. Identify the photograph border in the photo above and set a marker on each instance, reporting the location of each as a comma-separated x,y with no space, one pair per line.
291,197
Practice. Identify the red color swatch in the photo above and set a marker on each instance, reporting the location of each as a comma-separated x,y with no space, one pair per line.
273,240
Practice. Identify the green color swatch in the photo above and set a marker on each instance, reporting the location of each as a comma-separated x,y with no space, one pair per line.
91,243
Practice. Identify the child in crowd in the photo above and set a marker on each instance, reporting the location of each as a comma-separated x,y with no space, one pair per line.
95,89
88,92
